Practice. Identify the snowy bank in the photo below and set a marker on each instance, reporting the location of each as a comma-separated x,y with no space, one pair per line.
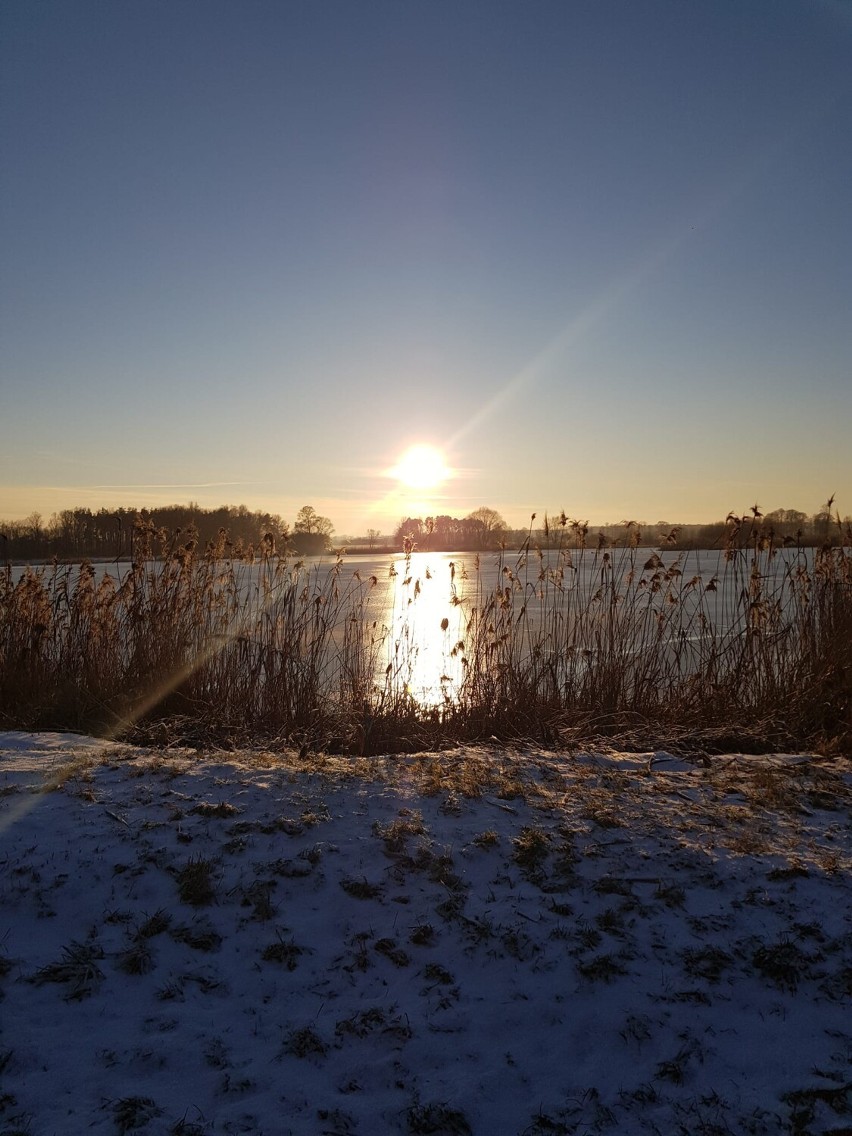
480,941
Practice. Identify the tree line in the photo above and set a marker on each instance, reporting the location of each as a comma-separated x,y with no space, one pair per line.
482,529
120,534
785,527
485,529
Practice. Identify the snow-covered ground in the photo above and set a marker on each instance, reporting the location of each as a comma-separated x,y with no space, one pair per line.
482,941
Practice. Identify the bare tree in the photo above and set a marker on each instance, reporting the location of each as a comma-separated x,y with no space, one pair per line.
408,529
308,520
311,532
489,525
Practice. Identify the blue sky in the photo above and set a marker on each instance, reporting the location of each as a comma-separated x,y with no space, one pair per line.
600,252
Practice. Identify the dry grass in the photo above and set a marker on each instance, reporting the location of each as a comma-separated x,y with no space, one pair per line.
569,647
77,970
196,882
649,928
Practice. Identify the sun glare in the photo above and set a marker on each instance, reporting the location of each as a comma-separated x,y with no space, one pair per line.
421,467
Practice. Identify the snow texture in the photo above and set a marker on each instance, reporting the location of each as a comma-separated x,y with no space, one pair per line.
484,941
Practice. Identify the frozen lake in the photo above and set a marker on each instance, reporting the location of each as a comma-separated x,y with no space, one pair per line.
425,614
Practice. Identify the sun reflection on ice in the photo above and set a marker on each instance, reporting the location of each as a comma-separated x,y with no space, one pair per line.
425,616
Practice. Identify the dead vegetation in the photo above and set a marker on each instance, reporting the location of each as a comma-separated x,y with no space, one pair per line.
571,645
657,927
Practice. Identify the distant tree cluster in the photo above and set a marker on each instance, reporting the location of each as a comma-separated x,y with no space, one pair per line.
482,529
788,527
109,534
311,532
485,529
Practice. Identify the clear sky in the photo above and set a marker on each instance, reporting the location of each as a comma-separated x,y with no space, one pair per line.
597,251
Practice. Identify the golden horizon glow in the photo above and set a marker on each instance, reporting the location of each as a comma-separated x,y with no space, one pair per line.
421,467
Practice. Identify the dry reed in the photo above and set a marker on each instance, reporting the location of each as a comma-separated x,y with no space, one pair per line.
568,645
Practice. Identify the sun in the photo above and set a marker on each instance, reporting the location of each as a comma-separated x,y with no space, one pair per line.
421,467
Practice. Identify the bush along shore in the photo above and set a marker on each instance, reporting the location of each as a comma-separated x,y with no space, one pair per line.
559,647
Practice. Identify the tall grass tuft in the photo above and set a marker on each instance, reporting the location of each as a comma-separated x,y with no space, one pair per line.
568,645
595,640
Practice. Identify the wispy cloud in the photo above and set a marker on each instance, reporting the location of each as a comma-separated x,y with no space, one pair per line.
145,485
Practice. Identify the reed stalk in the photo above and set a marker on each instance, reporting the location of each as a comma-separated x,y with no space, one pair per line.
569,644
